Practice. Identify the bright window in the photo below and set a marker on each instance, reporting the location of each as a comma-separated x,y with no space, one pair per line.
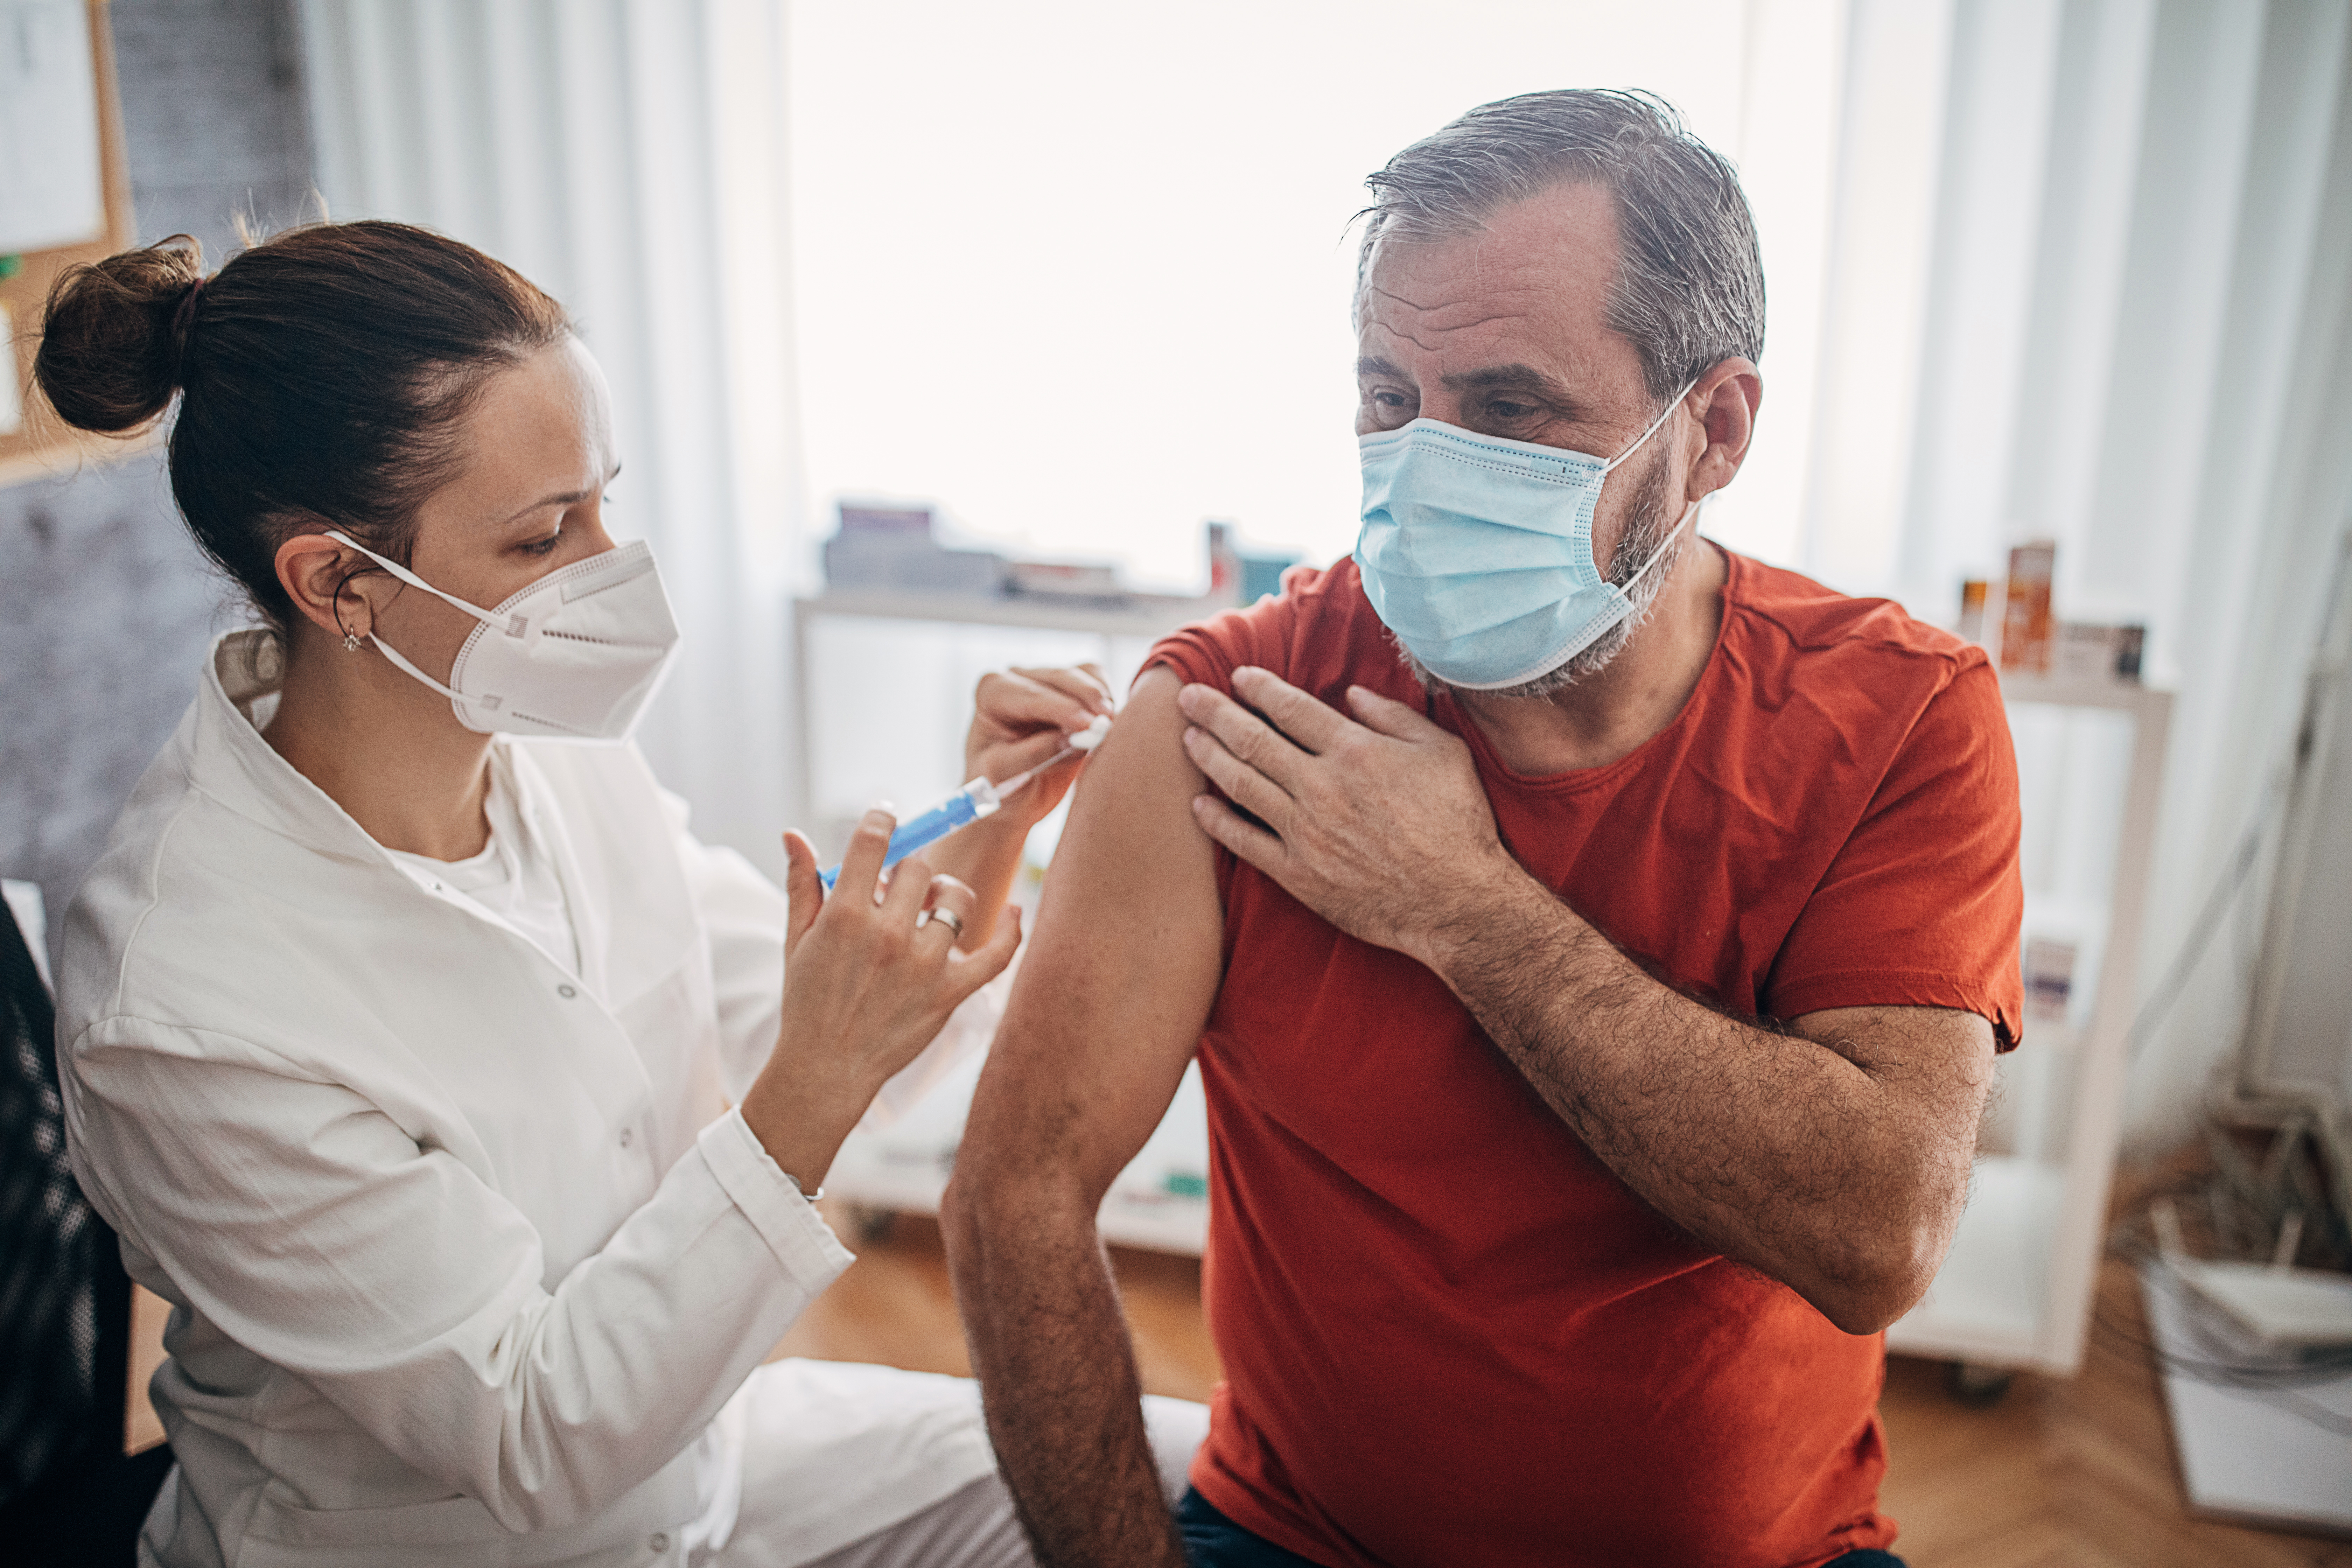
1079,275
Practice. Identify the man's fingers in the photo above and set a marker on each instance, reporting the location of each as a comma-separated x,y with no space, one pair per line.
1223,824
1244,734
1256,793
803,891
861,863
1398,720
1315,725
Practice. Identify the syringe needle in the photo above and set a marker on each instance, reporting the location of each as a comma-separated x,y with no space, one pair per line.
1025,774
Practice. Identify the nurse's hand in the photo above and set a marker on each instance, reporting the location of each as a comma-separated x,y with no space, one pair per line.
868,983
1022,717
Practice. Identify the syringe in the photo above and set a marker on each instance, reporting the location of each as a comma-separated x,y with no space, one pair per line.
969,804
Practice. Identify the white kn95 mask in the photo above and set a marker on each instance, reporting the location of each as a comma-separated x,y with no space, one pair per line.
572,657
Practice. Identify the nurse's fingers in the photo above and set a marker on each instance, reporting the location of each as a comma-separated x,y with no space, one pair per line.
861,863
969,970
801,889
949,910
910,888
1083,681
1016,702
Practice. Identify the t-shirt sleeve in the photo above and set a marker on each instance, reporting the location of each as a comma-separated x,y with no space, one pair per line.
1922,905
1261,634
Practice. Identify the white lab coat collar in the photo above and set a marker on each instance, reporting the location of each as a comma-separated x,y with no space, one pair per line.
231,762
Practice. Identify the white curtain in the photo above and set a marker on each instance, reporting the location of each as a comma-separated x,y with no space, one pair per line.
2089,278
629,156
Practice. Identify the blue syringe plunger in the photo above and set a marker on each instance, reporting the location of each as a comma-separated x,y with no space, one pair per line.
967,806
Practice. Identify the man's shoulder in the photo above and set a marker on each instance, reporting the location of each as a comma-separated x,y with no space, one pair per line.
1319,634
1790,626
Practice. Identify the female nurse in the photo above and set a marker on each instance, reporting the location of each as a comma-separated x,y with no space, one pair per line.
465,1108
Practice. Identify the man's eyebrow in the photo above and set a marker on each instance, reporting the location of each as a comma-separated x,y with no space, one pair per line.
1526,375
1372,364
565,498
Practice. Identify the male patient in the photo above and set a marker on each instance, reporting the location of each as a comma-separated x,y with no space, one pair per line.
1595,945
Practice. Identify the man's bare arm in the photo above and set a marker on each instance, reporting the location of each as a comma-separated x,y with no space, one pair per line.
1105,1014
1833,1156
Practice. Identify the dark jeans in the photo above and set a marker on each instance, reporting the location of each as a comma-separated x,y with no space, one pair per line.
1212,1541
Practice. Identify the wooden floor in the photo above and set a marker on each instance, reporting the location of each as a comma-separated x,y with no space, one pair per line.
2062,1474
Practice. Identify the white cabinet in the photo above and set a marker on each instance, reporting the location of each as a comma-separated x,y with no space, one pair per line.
2016,1290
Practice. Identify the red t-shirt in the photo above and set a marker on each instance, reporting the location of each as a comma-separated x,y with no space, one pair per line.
1450,1335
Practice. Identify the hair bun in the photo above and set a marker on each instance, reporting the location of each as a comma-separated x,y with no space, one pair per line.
113,334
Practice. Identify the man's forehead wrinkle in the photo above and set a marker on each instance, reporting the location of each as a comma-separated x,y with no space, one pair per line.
1434,341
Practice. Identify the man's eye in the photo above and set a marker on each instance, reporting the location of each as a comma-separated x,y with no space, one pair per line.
1506,410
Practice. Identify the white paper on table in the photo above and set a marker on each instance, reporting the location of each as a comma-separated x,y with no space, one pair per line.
12,409
52,184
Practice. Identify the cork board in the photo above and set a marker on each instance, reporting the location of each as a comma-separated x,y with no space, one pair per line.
42,444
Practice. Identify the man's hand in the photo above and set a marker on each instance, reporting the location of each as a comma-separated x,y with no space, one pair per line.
1379,823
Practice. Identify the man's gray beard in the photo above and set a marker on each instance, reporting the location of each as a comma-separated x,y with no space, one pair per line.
1651,528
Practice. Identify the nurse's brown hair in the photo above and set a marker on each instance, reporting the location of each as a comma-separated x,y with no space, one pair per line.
320,377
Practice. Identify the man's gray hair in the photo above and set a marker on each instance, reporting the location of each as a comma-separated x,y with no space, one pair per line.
1690,286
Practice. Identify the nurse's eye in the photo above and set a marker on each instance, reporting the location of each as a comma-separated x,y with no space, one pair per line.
543,546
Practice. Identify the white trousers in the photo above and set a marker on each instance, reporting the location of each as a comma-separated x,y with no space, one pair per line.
972,1526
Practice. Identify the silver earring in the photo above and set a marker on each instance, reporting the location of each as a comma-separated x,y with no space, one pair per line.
351,642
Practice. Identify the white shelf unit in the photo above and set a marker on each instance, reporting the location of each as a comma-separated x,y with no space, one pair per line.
2015,1293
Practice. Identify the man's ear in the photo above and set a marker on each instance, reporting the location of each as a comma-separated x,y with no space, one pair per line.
1726,398
316,573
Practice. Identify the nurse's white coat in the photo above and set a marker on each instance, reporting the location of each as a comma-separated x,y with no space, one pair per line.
460,1244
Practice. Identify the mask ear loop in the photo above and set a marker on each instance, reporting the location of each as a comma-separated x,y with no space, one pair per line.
1626,587
405,575
350,638
412,579
1644,439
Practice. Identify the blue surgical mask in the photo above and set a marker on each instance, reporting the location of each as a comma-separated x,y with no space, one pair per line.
1477,552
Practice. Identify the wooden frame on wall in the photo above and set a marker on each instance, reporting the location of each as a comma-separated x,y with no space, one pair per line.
44,444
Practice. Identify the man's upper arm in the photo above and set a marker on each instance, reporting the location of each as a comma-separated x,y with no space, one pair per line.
1121,972
1921,906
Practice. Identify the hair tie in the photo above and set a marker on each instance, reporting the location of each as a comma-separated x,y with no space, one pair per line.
187,310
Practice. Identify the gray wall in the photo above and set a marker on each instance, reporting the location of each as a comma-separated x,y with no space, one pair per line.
105,605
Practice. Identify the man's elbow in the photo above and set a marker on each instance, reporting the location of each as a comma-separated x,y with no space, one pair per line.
1885,1273
996,1197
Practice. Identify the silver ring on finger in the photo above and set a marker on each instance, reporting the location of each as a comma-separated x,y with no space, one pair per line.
948,917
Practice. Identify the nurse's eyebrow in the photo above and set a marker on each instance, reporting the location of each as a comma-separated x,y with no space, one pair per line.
567,498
